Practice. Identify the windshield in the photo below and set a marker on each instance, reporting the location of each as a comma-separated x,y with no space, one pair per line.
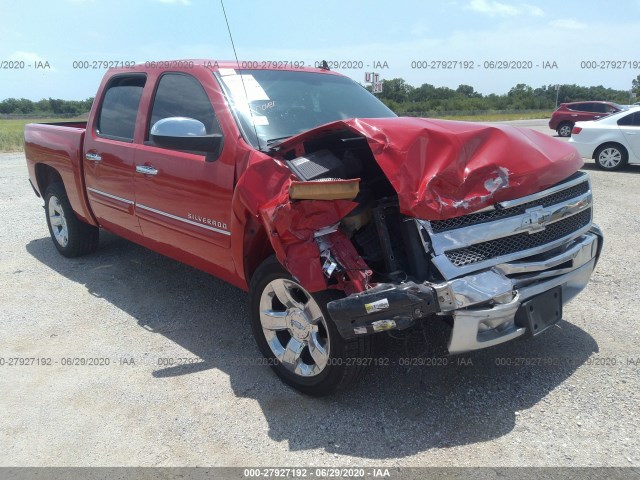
277,104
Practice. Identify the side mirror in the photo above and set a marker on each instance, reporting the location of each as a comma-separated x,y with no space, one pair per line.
181,133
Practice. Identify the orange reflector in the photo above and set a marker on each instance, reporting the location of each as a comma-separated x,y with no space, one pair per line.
325,190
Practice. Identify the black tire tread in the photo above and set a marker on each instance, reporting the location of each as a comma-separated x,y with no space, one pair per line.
83,238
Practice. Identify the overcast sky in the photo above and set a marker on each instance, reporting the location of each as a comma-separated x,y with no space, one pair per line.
396,32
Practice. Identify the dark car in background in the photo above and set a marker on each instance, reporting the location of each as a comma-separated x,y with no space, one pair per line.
567,114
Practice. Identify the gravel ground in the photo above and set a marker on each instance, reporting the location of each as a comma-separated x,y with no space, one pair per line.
134,307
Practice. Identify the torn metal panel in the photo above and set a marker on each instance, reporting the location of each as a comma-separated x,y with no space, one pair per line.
263,190
293,235
356,272
442,169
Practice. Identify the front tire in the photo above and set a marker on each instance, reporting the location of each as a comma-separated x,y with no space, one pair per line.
71,236
611,157
296,335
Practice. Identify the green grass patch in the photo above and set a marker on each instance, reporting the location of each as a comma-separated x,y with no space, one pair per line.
12,131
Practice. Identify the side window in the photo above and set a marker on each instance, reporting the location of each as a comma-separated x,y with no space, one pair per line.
578,107
593,108
602,108
633,119
626,120
117,118
181,95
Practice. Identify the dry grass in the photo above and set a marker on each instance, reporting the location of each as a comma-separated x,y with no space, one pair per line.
12,132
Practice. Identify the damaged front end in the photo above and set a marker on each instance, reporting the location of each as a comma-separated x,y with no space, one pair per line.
488,228
505,272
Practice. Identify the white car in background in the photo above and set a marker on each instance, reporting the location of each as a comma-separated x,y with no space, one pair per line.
611,141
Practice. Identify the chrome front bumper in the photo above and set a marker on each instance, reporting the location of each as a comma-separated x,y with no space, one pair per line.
484,304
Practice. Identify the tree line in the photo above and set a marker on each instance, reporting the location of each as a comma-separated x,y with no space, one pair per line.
403,98
45,107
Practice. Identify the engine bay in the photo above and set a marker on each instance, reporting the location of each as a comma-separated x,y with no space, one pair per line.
386,240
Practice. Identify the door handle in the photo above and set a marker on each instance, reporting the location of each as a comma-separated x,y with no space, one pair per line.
146,170
94,157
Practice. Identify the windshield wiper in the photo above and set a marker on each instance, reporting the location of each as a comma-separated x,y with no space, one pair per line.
271,141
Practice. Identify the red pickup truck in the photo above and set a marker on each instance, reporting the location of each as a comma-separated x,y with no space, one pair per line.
341,219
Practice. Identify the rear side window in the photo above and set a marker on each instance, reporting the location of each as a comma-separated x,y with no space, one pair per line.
631,120
601,108
117,118
181,95
578,107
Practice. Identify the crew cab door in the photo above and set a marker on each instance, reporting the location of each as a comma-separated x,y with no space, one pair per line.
109,154
183,202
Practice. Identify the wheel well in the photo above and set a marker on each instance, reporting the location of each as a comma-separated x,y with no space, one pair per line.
257,248
45,176
565,122
610,144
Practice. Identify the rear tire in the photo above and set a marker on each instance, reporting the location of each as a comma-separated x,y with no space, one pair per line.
564,129
71,236
611,156
296,335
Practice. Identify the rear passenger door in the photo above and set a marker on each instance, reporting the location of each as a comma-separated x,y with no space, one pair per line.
630,127
185,202
600,109
109,154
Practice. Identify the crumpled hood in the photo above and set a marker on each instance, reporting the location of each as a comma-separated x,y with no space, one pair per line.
443,169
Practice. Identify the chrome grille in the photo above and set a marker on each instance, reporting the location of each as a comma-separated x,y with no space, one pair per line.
514,230
482,217
523,241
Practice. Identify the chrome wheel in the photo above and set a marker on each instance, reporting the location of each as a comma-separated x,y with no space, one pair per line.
610,157
294,327
298,337
58,221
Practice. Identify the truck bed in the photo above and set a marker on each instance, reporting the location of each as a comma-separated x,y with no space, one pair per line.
59,146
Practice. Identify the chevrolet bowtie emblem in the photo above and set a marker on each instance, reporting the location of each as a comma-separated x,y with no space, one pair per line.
536,220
